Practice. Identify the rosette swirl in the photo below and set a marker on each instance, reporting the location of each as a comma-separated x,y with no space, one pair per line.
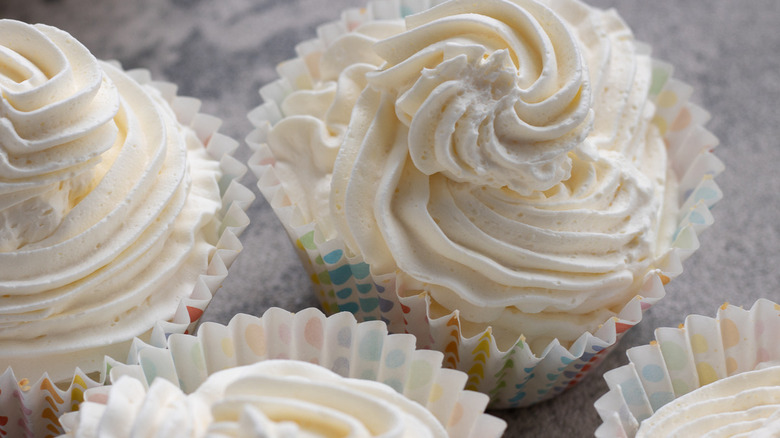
106,205
276,398
743,405
494,93
56,116
499,158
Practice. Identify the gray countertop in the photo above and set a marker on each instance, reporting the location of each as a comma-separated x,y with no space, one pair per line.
223,51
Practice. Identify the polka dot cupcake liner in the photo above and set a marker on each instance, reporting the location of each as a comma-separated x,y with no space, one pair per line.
31,408
699,352
338,343
517,376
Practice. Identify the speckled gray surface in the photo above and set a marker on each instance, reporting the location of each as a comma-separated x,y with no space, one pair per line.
223,51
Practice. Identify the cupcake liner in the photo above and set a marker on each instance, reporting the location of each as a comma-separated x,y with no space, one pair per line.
518,376
32,408
338,343
681,359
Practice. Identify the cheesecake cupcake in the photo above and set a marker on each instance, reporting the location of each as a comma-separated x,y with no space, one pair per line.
285,374
708,377
511,181
120,212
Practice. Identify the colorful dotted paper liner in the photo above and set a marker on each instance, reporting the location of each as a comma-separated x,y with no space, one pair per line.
31,409
338,343
516,377
681,359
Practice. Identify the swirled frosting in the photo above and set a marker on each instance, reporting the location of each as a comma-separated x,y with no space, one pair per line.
497,155
743,405
277,398
106,205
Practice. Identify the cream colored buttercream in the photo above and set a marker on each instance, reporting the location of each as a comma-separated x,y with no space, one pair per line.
106,205
743,405
271,398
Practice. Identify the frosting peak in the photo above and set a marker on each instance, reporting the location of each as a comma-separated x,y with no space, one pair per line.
56,119
494,93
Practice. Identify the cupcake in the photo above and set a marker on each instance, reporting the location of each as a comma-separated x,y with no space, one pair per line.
511,181
119,211
709,377
740,405
285,375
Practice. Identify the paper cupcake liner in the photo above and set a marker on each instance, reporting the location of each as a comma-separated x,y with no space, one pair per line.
684,358
518,376
31,408
338,343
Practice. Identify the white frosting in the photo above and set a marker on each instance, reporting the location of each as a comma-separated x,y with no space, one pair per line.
743,405
271,399
106,204
497,155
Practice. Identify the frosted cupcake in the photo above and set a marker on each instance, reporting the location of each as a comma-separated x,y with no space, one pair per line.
709,377
118,211
285,375
743,405
510,181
